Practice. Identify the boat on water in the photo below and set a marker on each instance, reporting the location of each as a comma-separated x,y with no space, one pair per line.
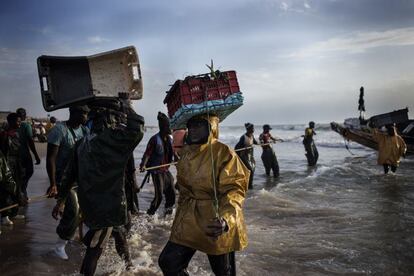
360,131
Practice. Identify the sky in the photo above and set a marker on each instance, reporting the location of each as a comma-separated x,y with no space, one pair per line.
296,60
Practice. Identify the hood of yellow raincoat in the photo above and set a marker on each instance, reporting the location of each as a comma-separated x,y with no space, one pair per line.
199,170
390,148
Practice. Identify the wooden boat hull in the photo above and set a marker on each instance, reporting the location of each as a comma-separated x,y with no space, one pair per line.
365,138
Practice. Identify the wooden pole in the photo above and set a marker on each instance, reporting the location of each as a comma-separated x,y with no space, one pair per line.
35,198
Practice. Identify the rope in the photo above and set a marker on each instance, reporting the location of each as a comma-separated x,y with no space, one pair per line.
347,147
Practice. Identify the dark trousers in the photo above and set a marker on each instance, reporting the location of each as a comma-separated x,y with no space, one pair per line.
95,241
163,184
174,260
70,219
248,160
27,164
270,161
387,168
312,153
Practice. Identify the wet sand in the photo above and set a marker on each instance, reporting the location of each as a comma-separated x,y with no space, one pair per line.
25,247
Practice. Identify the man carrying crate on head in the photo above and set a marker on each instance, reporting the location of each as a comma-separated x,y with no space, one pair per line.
213,183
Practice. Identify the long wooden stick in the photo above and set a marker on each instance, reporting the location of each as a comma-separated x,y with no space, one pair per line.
35,198
175,163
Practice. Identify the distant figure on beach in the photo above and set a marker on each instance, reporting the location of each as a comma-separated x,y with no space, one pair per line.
391,147
213,183
361,105
246,152
60,148
50,124
312,153
268,155
9,192
159,152
27,145
98,168
11,149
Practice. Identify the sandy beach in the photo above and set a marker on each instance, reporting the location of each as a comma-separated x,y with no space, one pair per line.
25,247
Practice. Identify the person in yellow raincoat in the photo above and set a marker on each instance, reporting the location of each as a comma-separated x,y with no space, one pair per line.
215,227
390,148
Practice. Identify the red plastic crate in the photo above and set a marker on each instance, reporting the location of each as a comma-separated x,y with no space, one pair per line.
196,89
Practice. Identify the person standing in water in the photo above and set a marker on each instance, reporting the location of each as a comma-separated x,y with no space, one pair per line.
159,152
268,155
311,151
246,153
391,147
213,183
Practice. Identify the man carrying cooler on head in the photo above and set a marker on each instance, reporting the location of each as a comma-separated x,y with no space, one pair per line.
98,168
213,183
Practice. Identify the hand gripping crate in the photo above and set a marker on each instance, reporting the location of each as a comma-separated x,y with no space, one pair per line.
65,81
219,95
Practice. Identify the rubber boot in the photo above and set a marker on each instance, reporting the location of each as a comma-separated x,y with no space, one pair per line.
60,249
7,221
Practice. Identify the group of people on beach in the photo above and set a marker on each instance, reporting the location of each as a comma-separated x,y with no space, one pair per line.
16,143
87,163
91,170
244,149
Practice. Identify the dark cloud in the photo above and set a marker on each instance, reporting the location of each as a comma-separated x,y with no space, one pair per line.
177,38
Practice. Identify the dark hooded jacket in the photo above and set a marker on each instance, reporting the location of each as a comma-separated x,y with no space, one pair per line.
98,167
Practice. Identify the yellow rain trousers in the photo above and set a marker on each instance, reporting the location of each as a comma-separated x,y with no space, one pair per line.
390,148
196,200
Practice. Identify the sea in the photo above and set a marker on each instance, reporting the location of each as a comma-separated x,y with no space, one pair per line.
342,217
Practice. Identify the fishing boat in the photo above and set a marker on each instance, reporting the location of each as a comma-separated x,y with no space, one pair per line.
361,131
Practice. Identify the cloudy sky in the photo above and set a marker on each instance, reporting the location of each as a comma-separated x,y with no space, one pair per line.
296,59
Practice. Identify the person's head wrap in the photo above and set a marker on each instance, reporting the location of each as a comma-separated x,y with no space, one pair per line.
248,126
163,122
311,124
21,112
12,118
266,127
390,129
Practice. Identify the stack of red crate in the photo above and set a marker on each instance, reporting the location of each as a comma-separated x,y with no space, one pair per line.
197,89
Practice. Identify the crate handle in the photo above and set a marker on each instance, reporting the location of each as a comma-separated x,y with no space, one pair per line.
44,83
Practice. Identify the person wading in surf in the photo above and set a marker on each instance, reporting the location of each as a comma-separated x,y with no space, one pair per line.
312,154
213,183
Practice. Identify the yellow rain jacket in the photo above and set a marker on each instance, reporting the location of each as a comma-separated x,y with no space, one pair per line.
196,201
390,148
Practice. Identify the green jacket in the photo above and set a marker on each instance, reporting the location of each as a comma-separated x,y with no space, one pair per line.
98,168
7,184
